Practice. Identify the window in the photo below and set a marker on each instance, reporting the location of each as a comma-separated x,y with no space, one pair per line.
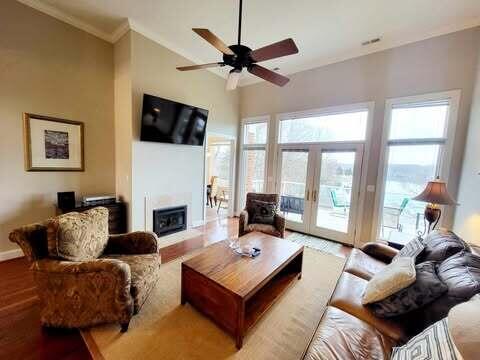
219,162
254,170
345,126
417,150
254,155
255,133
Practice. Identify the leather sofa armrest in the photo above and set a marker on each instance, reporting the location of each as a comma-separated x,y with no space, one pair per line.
242,223
134,243
380,251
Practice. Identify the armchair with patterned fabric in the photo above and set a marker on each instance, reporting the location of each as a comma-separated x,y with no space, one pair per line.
84,276
246,225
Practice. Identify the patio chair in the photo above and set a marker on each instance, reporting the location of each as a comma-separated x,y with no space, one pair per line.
223,198
391,215
337,203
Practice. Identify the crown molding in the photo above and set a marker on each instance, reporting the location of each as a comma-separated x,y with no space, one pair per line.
121,30
135,26
129,24
62,16
378,47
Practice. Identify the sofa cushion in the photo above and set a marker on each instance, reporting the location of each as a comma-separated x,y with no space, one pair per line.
144,272
412,249
348,297
393,278
461,273
426,288
343,336
434,342
264,228
78,236
440,245
262,212
363,265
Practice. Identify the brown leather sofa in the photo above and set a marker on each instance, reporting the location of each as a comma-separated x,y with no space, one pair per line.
349,330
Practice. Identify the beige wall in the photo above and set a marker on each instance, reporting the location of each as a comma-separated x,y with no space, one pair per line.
438,64
50,68
123,119
467,214
168,174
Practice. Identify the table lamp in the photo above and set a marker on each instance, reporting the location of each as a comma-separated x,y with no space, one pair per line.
435,194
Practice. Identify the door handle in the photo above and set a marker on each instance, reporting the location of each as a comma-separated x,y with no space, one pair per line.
314,195
307,198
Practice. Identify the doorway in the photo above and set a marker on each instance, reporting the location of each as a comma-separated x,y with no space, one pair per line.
319,188
219,176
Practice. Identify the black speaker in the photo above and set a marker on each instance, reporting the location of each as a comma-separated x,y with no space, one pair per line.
66,200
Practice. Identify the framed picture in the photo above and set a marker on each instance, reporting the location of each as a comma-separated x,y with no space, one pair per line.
53,144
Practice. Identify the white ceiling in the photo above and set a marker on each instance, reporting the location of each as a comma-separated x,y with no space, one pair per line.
325,31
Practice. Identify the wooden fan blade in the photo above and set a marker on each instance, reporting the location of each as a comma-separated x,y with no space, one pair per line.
196,67
268,75
276,50
214,40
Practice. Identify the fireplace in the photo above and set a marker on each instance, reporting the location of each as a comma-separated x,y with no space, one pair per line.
169,220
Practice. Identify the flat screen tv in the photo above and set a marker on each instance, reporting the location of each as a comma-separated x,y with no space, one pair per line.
168,121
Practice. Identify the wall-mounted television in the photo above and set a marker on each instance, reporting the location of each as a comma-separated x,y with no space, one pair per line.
168,121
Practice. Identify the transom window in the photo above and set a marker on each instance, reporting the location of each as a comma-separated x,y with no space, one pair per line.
255,133
344,126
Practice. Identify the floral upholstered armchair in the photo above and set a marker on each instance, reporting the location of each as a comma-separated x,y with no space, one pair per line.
83,275
275,227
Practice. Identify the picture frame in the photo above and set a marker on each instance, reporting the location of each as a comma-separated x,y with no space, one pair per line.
53,144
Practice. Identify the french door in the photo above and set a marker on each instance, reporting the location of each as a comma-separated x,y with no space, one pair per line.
319,188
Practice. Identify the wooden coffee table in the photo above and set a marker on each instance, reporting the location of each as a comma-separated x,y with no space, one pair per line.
235,291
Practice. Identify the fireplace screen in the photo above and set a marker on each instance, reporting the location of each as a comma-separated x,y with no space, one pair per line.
169,220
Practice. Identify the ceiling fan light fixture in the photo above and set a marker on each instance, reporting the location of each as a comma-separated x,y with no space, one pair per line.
240,57
233,78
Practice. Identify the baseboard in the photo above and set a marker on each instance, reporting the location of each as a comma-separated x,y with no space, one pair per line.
198,223
10,254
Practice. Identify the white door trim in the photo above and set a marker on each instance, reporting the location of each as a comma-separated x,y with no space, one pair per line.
231,180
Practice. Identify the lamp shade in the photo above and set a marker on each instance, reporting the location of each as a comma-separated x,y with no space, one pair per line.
436,193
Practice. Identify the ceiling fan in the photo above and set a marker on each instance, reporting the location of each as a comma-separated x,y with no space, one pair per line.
239,56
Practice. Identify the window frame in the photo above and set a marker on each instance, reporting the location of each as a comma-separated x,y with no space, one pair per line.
367,149
244,147
446,142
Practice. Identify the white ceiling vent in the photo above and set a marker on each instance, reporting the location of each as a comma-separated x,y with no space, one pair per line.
371,41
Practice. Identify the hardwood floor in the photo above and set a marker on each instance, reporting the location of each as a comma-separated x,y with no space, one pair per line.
22,337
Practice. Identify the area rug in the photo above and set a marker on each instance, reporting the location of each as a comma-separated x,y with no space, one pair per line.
316,243
178,237
164,329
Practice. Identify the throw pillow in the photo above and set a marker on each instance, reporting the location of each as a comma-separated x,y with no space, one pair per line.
263,212
78,236
426,288
412,249
440,245
434,342
393,278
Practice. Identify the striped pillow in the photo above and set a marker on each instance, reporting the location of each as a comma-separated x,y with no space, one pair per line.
412,249
433,343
